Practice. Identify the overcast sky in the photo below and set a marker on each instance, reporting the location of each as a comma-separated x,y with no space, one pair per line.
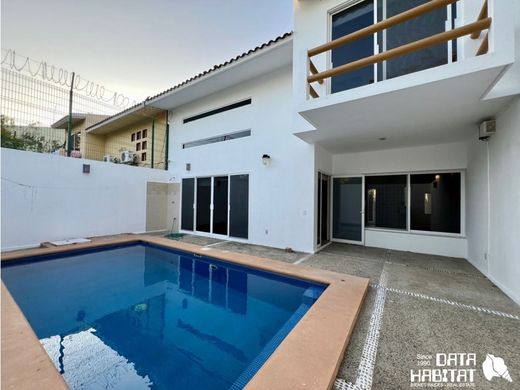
140,47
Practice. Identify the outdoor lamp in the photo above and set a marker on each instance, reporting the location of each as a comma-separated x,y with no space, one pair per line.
266,160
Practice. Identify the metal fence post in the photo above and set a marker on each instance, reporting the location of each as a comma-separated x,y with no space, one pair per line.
153,139
69,126
167,143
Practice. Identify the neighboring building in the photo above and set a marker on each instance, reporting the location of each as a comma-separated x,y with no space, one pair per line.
375,150
91,148
137,134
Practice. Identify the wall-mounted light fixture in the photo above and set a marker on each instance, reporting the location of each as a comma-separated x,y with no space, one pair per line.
266,160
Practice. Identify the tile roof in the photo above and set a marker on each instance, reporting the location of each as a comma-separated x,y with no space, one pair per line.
202,74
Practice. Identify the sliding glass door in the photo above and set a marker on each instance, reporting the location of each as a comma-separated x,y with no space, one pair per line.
347,209
216,205
203,204
220,205
239,206
187,203
323,210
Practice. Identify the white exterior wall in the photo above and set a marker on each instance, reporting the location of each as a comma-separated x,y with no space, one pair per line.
281,195
408,160
493,210
47,197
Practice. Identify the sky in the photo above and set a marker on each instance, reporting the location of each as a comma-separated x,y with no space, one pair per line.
139,47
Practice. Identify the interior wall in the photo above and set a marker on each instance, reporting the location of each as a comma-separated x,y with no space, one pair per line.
47,197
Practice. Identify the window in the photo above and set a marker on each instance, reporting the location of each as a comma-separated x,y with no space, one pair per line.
143,156
219,138
218,110
138,146
132,137
435,202
145,133
144,145
385,201
138,135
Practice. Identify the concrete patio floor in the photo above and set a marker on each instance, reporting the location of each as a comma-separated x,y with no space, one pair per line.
416,304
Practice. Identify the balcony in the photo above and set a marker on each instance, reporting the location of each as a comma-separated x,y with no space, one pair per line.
412,71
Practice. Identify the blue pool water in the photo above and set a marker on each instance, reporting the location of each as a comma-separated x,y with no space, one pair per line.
140,316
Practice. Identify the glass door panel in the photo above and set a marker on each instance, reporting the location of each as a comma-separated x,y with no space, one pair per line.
347,209
343,23
220,205
412,30
187,200
239,206
203,204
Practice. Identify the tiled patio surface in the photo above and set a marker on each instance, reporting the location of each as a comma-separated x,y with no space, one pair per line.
430,304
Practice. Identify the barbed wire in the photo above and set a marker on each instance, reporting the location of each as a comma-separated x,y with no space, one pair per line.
60,76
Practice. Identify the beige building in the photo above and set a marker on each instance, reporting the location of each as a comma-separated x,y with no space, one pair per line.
138,137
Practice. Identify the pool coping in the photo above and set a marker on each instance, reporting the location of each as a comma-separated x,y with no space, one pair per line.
308,358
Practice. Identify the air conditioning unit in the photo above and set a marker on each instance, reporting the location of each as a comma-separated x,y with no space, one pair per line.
109,158
128,157
487,129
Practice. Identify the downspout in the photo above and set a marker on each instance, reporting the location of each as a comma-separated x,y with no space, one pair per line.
167,143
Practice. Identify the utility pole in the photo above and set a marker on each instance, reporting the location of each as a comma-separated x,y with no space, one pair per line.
69,127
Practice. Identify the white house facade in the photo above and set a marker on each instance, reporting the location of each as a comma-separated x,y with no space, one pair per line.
362,126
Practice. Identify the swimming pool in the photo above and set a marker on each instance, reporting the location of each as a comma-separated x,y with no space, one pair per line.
142,316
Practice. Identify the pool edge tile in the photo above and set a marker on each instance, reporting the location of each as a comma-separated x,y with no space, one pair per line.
25,364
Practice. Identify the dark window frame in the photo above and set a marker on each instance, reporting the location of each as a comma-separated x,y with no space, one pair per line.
219,110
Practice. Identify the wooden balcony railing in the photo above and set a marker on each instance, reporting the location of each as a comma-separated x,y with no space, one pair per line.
473,30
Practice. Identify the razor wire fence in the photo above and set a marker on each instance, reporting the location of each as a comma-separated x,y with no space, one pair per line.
36,115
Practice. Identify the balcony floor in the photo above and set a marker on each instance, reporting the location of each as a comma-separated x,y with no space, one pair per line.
408,111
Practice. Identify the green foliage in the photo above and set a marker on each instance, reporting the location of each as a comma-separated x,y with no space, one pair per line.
25,138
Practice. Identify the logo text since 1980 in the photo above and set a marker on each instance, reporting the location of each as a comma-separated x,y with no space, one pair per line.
444,370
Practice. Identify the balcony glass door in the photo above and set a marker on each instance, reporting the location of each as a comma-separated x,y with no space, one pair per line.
431,23
344,22
347,209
